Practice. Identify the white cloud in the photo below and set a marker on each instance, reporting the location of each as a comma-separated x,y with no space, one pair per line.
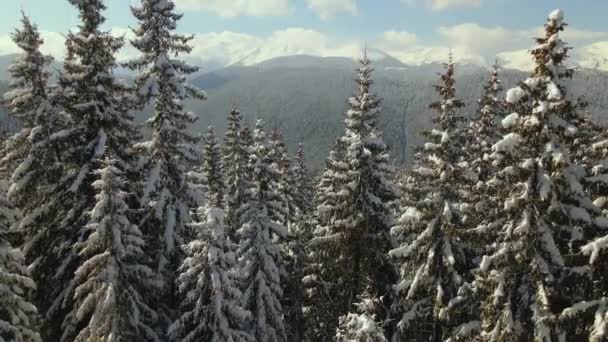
234,8
518,59
469,42
226,48
328,8
593,56
512,46
439,5
401,39
483,40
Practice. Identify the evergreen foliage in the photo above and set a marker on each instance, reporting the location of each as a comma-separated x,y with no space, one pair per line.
260,259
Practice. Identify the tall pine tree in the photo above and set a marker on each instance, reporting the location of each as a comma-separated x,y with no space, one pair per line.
529,277
302,183
212,170
357,238
111,303
433,259
259,256
235,158
210,309
320,291
172,148
33,155
97,245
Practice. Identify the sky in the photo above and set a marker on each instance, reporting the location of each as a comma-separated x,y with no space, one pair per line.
413,31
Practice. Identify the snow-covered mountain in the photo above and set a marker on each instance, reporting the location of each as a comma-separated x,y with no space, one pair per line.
305,96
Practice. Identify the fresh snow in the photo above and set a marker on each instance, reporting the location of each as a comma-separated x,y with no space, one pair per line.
514,95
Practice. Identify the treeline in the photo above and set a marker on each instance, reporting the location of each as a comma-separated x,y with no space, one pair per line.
496,233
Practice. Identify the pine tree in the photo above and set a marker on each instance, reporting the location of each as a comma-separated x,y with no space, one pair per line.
357,238
280,158
361,326
433,258
212,170
18,316
462,311
320,291
259,255
108,285
235,158
210,308
172,148
483,130
32,155
529,277
99,127
292,248
302,182
483,133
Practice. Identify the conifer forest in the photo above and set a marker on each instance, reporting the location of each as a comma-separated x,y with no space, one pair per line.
114,231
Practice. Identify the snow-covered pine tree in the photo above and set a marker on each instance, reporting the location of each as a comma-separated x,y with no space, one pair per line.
99,128
482,135
462,311
484,132
530,276
361,326
33,148
356,239
235,159
18,316
108,285
321,293
433,258
212,170
172,149
210,309
260,259
292,248
247,142
302,183
286,214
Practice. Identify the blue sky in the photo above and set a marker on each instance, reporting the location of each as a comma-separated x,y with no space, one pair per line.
404,28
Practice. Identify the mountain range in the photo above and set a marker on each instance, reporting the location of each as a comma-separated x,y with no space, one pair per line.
305,96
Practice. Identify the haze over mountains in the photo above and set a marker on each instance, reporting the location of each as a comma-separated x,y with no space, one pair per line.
305,96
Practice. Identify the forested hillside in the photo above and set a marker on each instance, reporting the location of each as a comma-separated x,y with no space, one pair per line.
303,96
306,101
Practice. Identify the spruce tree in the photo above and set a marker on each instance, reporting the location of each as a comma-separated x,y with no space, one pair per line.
259,255
357,237
302,183
483,129
18,316
235,159
212,170
209,307
433,258
32,156
292,248
99,127
462,311
108,292
320,291
283,210
530,276
172,148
